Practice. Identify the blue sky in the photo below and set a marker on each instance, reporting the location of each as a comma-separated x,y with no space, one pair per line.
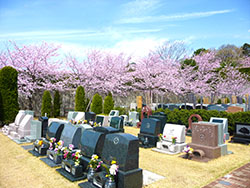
130,26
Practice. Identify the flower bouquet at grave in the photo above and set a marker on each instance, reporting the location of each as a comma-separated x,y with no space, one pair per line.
52,143
188,150
67,153
111,173
76,157
94,164
59,149
174,139
160,137
97,124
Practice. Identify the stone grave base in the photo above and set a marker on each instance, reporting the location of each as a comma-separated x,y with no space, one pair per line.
165,151
240,140
27,147
210,152
35,153
148,178
21,141
193,158
68,176
49,162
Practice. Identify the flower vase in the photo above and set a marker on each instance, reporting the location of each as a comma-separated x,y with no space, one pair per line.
91,174
110,183
186,156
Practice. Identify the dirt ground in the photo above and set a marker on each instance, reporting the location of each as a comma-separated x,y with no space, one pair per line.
18,168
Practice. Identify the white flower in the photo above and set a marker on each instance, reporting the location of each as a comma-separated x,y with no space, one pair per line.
113,169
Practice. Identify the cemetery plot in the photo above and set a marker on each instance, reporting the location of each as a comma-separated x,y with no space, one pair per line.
242,133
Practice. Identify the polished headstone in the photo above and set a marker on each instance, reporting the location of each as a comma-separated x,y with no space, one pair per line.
71,135
134,118
106,130
55,130
162,118
242,133
122,147
103,120
117,122
224,121
150,126
90,116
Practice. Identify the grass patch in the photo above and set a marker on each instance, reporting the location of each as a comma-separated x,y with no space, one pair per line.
21,169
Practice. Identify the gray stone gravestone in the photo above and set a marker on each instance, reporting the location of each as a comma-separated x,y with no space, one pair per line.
133,118
35,131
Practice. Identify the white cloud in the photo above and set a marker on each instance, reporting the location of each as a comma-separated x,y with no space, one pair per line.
176,17
249,30
140,7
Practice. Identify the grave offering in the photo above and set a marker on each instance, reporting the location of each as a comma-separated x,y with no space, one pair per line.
41,146
242,133
162,117
14,126
90,116
149,131
23,129
117,122
172,140
103,120
205,142
133,118
70,135
123,150
224,121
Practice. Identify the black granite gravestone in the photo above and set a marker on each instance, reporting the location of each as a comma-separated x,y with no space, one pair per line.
124,148
242,133
117,122
71,135
150,129
44,121
162,117
106,130
90,116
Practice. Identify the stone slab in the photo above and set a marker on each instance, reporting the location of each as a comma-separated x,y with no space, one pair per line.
148,178
49,162
21,141
36,154
69,176
27,147
164,151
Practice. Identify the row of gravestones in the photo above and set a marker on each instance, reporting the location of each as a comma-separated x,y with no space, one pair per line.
208,138
107,142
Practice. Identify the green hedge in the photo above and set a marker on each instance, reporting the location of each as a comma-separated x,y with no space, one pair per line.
122,111
181,116
9,95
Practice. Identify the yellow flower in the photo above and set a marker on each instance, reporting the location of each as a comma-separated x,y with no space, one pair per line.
96,157
113,162
85,121
40,142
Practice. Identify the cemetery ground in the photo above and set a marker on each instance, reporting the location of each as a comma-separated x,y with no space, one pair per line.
18,168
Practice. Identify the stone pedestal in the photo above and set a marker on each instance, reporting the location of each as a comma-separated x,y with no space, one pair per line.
169,148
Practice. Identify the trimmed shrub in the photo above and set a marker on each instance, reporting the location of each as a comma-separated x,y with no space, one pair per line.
122,111
227,100
96,105
219,101
108,104
181,116
9,94
57,104
46,104
80,104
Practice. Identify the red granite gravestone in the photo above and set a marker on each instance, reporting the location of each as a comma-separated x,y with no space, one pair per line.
205,141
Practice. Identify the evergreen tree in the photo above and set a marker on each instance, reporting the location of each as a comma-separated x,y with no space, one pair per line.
57,104
9,95
80,99
96,105
46,104
108,104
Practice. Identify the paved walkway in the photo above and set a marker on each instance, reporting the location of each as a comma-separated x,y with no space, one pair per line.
239,178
